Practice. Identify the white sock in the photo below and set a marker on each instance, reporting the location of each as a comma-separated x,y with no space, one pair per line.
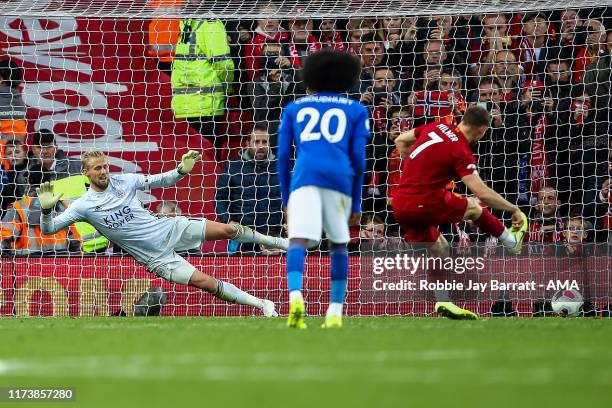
507,239
248,235
295,294
334,309
230,293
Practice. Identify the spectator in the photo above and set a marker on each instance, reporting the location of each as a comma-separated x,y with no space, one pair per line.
597,81
535,166
239,38
372,234
603,212
380,98
202,71
587,149
12,108
428,82
267,31
390,33
546,224
507,72
491,150
248,189
301,43
434,54
329,36
451,31
14,181
409,28
371,54
48,162
442,101
535,46
451,83
400,121
427,74
488,95
401,55
169,209
272,91
494,38
163,33
571,26
594,48
21,235
357,29
383,92
558,87
576,235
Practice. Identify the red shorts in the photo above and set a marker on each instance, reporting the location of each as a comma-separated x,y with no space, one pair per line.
420,215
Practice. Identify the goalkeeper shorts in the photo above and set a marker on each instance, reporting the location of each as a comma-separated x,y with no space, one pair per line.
170,265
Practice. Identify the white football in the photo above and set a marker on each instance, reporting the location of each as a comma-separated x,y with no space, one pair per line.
567,302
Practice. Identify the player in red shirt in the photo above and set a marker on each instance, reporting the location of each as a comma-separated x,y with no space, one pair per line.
435,154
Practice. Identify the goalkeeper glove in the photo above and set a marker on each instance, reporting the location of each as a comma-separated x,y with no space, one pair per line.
188,161
46,197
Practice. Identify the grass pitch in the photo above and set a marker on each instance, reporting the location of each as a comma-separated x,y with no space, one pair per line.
255,362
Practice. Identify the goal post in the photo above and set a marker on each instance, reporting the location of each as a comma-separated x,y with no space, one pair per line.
143,81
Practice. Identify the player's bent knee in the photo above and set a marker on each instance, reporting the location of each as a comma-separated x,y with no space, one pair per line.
473,209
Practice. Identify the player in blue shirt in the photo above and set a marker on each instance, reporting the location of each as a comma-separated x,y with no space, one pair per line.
329,132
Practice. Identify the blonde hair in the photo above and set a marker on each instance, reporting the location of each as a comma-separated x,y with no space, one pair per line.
89,155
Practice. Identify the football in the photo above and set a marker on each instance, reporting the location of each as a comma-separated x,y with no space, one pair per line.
567,302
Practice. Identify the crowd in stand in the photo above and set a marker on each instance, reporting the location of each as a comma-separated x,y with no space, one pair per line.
544,77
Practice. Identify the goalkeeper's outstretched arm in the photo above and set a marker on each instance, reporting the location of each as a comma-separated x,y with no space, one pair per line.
172,177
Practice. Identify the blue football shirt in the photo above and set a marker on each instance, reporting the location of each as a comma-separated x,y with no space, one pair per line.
330,132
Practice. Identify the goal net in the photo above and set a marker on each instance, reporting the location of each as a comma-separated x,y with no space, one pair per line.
145,81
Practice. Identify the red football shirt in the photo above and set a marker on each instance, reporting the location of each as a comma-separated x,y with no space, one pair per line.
440,155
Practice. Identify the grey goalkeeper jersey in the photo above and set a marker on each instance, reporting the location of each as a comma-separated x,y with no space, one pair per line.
118,215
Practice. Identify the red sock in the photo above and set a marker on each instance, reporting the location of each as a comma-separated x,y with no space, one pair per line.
489,224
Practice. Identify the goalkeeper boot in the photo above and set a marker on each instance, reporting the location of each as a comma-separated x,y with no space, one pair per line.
452,311
332,322
268,308
297,312
519,235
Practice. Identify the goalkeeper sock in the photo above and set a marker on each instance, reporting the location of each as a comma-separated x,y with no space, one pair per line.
230,293
246,235
296,254
339,275
489,224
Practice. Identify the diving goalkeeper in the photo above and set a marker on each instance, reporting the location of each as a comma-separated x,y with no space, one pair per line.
111,206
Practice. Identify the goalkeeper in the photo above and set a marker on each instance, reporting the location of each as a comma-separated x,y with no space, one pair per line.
111,206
